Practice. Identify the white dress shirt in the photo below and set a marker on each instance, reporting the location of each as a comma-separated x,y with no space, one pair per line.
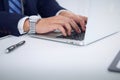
22,21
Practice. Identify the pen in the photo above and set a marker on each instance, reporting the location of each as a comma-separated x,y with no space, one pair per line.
13,47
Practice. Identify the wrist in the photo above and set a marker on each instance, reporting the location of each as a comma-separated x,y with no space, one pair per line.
64,12
33,20
30,24
58,13
26,26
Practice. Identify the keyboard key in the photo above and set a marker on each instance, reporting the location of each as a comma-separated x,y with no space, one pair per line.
73,36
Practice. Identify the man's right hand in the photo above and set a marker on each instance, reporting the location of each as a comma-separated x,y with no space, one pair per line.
64,24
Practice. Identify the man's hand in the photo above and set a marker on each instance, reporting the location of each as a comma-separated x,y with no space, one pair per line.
81,20
64,24
66,21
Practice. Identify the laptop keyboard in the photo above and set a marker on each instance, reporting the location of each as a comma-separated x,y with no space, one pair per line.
73,36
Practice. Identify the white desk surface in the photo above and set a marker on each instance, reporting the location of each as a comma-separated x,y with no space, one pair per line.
46,60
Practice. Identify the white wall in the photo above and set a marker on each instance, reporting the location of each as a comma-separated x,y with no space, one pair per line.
77,6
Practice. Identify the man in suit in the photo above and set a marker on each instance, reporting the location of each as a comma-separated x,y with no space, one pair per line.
54,17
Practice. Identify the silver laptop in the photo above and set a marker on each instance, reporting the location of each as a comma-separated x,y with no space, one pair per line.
103,21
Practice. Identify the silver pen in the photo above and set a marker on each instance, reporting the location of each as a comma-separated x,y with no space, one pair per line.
13,47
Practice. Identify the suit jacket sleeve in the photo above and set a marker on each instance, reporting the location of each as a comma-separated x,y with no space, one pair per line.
8,23
47,8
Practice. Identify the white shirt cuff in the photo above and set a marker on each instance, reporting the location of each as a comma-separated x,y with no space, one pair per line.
21,24
60,12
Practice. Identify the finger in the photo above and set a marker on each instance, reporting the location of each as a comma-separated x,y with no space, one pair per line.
65,23
61,28
75,26
68,28
82,23
85,19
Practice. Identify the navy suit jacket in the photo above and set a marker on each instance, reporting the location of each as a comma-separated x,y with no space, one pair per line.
8,21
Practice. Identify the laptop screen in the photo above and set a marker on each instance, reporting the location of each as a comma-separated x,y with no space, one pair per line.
118,65
103,19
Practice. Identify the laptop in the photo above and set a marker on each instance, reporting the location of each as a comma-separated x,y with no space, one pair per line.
115,65
103,21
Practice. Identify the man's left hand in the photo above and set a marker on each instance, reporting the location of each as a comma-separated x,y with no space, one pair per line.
81,20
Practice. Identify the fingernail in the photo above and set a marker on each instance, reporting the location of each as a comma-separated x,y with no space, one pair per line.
69,33
84,28
79,31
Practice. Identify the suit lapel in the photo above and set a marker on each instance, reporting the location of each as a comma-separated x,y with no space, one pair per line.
6,5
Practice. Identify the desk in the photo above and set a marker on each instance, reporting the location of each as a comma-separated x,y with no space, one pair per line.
46,60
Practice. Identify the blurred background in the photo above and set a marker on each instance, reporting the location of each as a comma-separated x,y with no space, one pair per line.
77,6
